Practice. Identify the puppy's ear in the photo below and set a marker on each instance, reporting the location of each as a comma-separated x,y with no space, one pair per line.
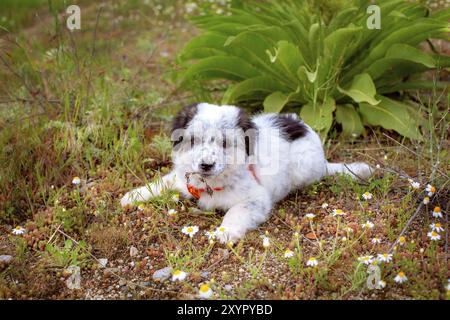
184,116
182,119
246,124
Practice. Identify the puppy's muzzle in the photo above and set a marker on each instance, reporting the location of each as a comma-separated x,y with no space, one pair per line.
207,167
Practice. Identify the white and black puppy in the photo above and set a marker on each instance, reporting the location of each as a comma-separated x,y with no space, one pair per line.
229,161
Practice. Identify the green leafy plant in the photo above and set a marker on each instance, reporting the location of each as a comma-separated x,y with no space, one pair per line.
285,55
67,255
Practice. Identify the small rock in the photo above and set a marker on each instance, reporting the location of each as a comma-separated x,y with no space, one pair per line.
144,284
228,287
122,282
6,259
162,274
110,271
102,262
133,251
74,281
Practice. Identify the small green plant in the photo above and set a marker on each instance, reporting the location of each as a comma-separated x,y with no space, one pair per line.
68,255
285,55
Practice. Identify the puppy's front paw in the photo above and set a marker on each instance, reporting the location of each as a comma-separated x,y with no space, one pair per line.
229,234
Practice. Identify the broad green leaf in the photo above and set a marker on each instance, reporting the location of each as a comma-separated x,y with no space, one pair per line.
225,65
319,116
362,89
391,115
338,41
263,84
407,52
290,57
275,102
350,120
416,85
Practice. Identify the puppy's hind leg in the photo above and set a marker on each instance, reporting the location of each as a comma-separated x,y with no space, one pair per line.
357,170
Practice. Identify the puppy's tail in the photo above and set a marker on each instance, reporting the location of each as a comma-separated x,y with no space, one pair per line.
357,170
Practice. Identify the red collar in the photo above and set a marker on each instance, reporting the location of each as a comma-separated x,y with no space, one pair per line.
197,192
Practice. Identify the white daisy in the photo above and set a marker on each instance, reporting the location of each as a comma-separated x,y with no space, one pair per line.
338,212
426,200
310,216
402,240
205,291
437,213
368,225
430,189
288,253
414,184
381,284
433,235
312,262
436,226
376,240
384,257
266,242
211,235
401,277
220,231
367,195
76,180
179,275
366,259
324,205
190,230
18,230
172,212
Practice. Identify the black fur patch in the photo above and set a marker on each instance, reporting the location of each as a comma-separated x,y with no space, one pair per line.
182,119
291,128
245,123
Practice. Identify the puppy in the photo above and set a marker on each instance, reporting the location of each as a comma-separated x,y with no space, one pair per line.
227,160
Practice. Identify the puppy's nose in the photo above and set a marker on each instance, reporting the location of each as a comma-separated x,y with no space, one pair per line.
206,166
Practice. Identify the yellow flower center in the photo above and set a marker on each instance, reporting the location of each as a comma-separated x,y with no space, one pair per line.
204,288
312,259
402,239
338,211
221,229
18,228
437,209
190,229
434,234
177,273
401,274
437,225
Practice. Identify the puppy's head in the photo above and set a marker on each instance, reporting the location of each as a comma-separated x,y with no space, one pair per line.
210,140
